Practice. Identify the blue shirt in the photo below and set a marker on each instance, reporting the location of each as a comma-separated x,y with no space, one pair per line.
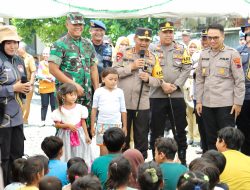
58,169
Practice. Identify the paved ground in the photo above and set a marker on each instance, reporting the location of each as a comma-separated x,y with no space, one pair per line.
35,134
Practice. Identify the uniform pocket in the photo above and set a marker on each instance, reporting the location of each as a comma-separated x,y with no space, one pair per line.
222,69
205,68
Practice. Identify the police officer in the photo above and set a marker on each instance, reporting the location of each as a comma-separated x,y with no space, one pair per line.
73,60
219,85
243,121
167,98
134,66
103,50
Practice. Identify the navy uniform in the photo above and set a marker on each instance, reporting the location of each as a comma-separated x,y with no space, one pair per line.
243,121
104,50
219,86
175,72
135,90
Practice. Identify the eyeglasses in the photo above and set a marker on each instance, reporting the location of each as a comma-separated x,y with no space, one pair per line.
213,38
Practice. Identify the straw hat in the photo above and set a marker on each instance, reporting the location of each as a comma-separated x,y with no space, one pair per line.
8,32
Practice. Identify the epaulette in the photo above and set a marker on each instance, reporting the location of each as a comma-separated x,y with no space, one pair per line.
178,46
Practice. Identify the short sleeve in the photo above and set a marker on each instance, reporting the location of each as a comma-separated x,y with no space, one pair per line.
122,101
84,112
96,98
56,116
56,54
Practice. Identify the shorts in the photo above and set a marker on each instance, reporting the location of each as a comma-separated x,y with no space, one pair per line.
101,128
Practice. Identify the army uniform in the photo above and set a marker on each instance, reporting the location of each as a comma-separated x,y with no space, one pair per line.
75,57
243,120
130,82
175,71
219,85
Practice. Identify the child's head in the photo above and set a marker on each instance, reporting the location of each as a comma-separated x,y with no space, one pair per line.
50,183
33,170
217,158
118,173
193,181
88,182
76,170
207,167
66,93
109,77
150,176
229,138
52,147
165,148
17,169
74,160
45,162
113,139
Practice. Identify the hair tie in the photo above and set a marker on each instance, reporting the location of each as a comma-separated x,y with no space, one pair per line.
186,176
115,165
152,173
76,176
206,178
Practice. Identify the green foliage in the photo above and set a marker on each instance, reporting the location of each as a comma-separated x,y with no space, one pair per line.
49,30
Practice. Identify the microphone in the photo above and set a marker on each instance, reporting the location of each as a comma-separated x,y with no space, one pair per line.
24,79
142,53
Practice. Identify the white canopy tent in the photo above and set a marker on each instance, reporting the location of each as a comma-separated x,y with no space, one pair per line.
29,9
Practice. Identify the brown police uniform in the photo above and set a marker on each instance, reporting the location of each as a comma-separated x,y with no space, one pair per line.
176,71
130,82
219,85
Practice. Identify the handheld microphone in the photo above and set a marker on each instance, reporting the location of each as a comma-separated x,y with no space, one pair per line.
24,79
142,53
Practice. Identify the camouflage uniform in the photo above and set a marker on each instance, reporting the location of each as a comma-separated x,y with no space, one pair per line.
75,57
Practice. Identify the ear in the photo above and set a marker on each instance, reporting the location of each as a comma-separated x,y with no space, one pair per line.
162,155
223,144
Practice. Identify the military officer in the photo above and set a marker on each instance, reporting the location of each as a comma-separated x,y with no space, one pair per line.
134,66
167,98
220,85
73,60
103,50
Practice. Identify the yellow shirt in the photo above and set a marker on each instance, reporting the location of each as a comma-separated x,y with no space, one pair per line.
237,171
29,188
29,64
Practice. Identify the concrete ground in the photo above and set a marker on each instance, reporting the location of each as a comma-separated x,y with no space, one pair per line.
35,134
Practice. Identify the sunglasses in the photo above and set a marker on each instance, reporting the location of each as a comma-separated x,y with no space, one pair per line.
213,38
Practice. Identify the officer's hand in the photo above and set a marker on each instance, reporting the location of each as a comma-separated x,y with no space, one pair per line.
80,90
138,63
144,76
22,87
167,88
236,110
199,108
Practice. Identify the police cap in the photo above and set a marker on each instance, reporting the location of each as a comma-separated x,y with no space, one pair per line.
144,33
97,24
167,26
203,32
247,24
186,32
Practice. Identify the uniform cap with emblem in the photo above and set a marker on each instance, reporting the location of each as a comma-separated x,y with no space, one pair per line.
247,24
75,18
203,32
186,32
166,26
97,24
144,33
8,32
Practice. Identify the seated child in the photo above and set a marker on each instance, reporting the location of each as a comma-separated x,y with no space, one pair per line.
50,183
88,182
165,150
150,176
52,147
113,139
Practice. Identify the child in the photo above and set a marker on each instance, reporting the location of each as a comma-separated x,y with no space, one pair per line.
150,176
50,183
33,171
113,139
70,118
88,182
45,162
118,174
193,181
75,171
74,160
110,103
53,148
17,180
237,170
165,150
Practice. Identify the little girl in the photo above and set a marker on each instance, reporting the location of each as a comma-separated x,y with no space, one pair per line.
70,118
110,103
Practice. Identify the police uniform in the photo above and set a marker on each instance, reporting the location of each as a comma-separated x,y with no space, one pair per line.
75,58
219,85
131,84
104,51
175,71
243,120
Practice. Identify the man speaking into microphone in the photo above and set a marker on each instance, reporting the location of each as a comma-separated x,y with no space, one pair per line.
134,66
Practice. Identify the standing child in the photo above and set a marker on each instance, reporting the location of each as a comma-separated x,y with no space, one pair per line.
70,118
110,103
